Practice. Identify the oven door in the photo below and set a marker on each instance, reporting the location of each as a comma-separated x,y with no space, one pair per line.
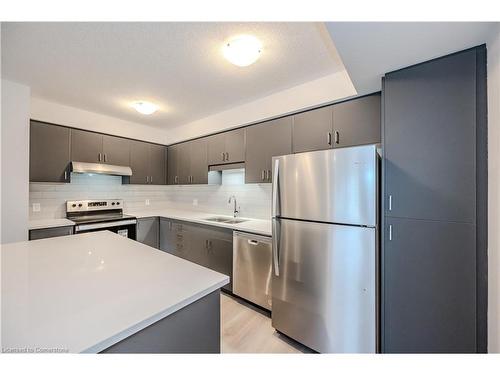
126,228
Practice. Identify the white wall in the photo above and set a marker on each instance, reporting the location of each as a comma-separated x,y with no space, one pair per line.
15,161
494,192
323,90
48,111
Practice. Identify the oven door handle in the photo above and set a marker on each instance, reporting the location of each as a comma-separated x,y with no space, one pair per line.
82,227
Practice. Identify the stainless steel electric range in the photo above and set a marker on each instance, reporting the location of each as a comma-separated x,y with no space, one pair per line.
103,214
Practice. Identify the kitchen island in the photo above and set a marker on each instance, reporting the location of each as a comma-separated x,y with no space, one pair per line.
100,292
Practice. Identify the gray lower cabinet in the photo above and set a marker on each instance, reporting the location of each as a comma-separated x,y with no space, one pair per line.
37,234
429,287
357,121
148,231
208,246
263,141
49,153
147,161
313,130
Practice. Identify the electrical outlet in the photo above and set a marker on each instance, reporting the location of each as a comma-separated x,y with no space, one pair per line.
36,207
147,202
195,202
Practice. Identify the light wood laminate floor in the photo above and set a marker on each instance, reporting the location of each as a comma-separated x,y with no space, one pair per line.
247,329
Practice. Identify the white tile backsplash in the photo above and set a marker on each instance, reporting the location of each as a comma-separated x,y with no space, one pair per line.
253,199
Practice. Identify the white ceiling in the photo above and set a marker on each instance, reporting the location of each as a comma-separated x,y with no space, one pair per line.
102,67
371,49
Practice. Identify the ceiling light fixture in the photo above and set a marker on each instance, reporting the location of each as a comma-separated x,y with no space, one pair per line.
243,50
146,108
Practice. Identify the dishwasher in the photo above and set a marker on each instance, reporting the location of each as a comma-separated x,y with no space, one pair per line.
252,263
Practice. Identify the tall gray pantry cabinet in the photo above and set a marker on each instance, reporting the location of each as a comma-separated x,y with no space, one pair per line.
434,266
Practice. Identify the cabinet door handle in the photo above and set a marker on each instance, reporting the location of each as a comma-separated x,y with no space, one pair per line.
147,179
223,156
262,175
337,137
329,138
99,156
151,179
227,156
65,175
176,179
105,158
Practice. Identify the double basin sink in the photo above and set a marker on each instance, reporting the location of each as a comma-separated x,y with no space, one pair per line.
225,220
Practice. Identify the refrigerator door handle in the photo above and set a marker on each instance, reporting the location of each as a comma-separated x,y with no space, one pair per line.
275,247
275,187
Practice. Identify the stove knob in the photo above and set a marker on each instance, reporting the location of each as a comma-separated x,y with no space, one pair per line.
79,205
113,203
117,203
73,205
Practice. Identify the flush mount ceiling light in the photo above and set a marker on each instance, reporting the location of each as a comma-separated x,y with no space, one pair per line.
243,50
146,108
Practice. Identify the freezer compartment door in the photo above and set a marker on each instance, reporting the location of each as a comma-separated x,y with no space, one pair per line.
324,285
333,186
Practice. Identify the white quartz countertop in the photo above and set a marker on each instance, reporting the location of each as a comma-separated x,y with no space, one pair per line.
257,226
49,223
86,292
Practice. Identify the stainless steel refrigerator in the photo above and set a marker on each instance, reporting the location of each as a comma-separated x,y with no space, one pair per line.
325,243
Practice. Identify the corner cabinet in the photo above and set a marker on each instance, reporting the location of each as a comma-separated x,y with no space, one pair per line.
434,262
49,152
208,246
263,142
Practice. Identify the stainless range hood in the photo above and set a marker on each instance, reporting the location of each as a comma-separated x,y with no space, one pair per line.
98,168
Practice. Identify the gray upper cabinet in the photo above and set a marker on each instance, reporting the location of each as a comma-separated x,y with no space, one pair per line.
147,161
263,141
313,130
115,150
216,149
429,287
187,163
235,146
173,164
157,164
228,147
49,153
198,161
430,138
357,121
139,162
92,147
86,146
